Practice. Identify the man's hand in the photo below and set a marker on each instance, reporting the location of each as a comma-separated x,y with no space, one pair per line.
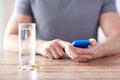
53,49
81,54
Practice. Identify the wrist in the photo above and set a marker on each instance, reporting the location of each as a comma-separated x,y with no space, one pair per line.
39,45
98,51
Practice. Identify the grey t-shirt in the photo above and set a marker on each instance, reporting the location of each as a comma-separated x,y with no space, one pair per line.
65,19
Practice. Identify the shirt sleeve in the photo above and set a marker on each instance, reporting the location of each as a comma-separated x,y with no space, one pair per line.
109,6
23,7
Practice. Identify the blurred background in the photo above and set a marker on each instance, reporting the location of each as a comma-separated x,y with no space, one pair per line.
6,8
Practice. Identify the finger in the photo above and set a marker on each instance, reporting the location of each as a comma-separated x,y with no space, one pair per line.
63,43
49,54
83,57
54,53
60,50
93,42
80,51
88,57
70,52
83,60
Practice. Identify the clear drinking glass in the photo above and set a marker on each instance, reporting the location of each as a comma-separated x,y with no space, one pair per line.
27,35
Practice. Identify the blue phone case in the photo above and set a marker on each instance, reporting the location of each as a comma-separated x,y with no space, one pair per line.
81,43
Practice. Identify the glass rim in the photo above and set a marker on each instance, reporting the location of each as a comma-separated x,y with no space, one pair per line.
26,25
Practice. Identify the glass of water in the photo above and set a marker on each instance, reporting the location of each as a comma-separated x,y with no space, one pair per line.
27,35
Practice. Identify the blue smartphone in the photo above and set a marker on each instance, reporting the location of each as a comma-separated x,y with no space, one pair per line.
81,43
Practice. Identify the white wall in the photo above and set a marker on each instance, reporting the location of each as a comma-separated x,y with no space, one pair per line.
101,35
118,5
6,7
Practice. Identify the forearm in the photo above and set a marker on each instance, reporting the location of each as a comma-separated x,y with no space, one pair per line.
11,43
110,23
110,46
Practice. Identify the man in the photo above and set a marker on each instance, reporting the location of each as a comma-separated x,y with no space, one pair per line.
59,22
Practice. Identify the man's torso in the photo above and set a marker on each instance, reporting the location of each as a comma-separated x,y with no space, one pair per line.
66,19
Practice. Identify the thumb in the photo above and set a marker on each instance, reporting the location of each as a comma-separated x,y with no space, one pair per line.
93,42
63,43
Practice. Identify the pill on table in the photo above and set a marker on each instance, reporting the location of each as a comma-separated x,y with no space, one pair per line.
36,66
